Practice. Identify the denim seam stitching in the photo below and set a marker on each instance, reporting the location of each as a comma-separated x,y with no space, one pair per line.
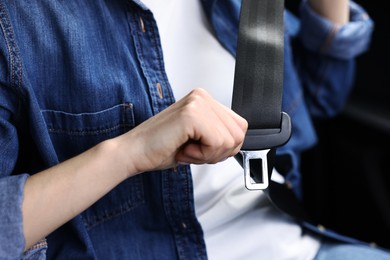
154,100
9,36
127,206
124,208
16,69
85,132
155,37
39,245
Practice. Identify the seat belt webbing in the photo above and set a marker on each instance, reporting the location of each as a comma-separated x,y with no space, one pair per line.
258,87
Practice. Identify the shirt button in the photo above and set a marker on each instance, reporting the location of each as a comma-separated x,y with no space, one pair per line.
321,228
159,89
373,244
142,24
184,225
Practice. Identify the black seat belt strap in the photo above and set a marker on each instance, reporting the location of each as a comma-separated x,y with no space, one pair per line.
258,87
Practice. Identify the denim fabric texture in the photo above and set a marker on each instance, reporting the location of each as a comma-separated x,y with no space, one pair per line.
75,73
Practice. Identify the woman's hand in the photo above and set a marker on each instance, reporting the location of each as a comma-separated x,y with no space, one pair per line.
196,129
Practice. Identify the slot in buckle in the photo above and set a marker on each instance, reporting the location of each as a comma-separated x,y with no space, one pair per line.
250,155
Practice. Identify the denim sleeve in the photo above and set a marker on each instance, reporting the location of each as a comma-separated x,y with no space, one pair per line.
11,186
345,42
325,58
12,240
11,229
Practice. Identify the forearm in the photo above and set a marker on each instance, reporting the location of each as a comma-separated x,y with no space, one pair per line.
336,11
56,195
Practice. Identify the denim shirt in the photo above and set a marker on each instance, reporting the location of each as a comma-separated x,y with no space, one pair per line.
75,73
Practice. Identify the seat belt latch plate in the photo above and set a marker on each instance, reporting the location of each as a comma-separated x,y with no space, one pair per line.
250,155
257,144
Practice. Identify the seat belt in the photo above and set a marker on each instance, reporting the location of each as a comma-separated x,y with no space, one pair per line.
258,88
257,95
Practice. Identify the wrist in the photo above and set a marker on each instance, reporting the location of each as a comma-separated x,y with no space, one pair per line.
337,11
110,153
119,157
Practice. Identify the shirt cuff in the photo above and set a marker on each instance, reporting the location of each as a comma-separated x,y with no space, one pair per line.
320,35
12,240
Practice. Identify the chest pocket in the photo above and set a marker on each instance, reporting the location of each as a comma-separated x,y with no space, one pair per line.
72,134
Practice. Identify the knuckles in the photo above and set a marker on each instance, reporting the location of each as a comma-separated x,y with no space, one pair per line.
198,104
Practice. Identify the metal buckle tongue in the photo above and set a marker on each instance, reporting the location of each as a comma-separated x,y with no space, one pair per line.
257,144
246,157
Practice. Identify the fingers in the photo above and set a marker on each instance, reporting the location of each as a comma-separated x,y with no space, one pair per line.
195,130
218,131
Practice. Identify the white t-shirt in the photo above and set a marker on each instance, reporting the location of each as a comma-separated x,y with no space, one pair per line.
237,223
